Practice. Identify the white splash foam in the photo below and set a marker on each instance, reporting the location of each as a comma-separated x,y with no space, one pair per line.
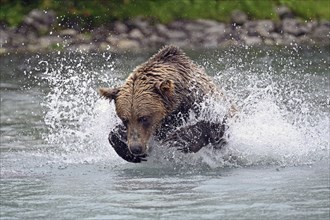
278,123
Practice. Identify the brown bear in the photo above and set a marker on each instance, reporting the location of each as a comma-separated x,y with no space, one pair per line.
155,100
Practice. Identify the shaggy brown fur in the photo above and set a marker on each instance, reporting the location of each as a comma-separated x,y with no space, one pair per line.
151,98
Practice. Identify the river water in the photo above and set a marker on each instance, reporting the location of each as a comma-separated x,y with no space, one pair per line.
56,162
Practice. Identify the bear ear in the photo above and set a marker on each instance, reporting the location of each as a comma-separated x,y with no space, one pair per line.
109,93
166,89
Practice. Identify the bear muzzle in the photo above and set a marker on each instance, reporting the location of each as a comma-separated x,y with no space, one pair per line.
138,149
137,141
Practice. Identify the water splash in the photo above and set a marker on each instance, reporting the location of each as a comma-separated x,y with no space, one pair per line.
284,116
72,104
283,112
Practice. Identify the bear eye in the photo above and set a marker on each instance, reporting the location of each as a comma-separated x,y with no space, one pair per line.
125,122
145,120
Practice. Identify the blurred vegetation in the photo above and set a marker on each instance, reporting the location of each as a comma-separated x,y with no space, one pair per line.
96,12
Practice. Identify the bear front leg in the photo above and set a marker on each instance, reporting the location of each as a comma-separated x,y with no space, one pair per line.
118,139
192,138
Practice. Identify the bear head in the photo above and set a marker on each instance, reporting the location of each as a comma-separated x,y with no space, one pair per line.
141,104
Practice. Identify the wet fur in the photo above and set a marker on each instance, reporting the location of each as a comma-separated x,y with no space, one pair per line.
167,85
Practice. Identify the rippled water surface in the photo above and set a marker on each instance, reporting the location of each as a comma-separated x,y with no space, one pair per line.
56,162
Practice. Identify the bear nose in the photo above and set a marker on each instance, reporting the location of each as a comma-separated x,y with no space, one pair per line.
136,149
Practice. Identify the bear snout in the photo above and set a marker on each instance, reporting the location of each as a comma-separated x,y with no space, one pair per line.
137,149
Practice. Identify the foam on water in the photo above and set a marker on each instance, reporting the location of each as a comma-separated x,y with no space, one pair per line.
282,118
71,106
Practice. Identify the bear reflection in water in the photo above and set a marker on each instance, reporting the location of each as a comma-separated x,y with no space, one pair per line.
155,101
